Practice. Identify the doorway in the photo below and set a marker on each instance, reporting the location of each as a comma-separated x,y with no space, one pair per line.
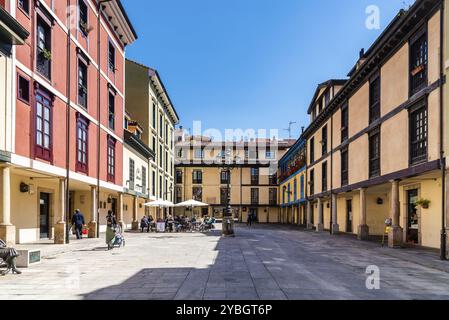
349,217
44,215
114,207
412,217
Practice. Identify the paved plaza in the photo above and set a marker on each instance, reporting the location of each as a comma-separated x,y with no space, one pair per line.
266,262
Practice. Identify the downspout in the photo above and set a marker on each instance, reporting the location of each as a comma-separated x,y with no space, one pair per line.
332,175
67,178
443,254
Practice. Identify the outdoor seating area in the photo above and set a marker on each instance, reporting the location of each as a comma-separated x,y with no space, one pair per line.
177,224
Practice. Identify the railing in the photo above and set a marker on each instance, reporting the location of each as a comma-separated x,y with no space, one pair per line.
43,64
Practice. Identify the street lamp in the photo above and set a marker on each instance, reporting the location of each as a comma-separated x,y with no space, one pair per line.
227,166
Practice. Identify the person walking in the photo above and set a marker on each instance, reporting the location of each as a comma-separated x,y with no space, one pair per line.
250,219
78,223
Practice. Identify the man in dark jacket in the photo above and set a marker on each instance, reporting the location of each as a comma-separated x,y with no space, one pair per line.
78,223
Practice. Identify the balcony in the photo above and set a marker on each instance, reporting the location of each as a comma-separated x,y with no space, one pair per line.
43,62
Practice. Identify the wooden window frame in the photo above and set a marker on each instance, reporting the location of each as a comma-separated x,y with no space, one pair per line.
111,159
344,155
324,140
85,64
344,123
375,106
420,106
422,32
84,33
324,177
312,150
19,91
41,151
372,171
82,123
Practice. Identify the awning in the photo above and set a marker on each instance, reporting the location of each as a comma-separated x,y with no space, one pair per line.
11,31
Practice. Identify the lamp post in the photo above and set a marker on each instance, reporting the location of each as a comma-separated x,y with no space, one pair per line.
228,219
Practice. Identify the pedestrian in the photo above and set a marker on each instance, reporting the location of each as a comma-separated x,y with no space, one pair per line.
144,223
78,223
249,221
111,224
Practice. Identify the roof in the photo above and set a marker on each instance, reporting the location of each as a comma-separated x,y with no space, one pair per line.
387,43
328,83
154,73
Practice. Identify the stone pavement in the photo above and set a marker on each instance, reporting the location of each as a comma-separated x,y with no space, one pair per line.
266,262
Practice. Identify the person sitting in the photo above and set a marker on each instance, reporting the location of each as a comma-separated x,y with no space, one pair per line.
144,224
9,256
151,223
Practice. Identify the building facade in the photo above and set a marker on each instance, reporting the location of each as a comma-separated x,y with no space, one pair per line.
137,157
11,35
149,103
67,119
375,149
202,176
292,177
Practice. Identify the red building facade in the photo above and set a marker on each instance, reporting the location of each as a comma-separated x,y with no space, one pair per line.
69,113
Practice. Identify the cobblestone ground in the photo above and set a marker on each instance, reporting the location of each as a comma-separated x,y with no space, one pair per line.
266,262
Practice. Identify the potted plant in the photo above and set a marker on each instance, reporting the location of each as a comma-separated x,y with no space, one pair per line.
423,203
85,28
46,54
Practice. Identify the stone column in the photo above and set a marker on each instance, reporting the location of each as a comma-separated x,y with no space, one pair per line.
93,213
395,235
60,226
320,224
335,226
309,215
363,230
7,230
135,224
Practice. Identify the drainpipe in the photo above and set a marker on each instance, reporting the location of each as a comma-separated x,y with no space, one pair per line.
443,254
331,174
99,11
67,178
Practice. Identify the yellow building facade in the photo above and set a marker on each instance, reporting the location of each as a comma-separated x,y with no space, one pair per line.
375,142
253,178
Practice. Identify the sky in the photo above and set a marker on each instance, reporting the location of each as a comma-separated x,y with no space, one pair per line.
251,64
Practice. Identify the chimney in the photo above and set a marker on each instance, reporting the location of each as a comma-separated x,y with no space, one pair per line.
362,58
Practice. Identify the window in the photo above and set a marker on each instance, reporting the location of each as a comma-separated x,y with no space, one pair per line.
270,155
327,98
111,118
324,177
166,161
312,182
161,121
178,195
254,176
111,159
273,196
273,179
418,61
418,134
312,150
254,196
154,116
83,18
25,6
82,84
225,177
374,99
161,187
82,142
43,50
324,140
320,106
344,167
178,176
161,156
111,57
43,121
154,144
302,187
23,89
344,123
197,177
197,193
144,180
199,153
153,183
224,196
288,193
131,174
374,154
295,190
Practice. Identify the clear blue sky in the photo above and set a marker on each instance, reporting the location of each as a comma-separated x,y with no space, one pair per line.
251,63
